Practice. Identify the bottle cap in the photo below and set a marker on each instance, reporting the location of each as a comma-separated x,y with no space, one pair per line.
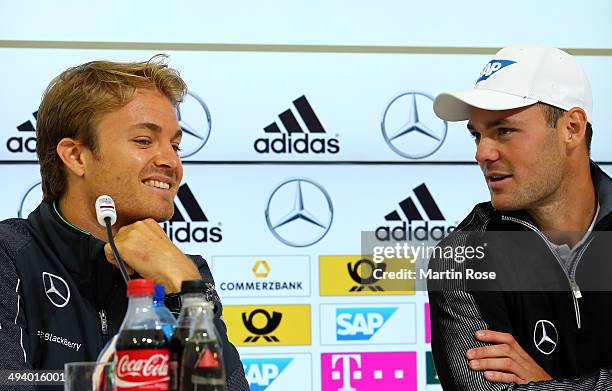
193,286
159,292
140,286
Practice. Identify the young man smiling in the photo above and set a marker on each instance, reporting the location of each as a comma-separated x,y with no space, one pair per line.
547,230
103,128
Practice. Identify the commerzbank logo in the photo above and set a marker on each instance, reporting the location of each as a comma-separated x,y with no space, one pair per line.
272,276
412,222
299,212
189,222
261,269
410,127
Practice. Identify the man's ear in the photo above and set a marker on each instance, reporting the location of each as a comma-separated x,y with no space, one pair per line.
575,128
72,154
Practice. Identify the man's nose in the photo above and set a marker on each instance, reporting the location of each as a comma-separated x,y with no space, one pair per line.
487,151
167,157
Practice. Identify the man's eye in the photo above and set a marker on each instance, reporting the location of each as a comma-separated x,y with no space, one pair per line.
475,136
176,148
142,141
504,131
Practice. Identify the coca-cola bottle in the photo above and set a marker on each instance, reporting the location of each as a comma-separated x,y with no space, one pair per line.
143,354
192,298
202,364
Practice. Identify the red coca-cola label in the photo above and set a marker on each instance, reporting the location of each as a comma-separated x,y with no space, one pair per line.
144,370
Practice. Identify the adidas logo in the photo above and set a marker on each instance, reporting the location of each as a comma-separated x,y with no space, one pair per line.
410,228
182,230
23,143
295,139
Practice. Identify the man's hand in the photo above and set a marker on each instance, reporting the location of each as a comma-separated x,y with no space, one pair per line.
504,361
146,248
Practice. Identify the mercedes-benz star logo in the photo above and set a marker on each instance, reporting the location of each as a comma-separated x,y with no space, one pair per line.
299,212
30,200
56,289
545,336
194,119
410,127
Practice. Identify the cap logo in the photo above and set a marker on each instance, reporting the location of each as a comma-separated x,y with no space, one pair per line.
492,67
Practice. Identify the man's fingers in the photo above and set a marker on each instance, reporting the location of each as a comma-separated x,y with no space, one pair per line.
491,351
110,257
501,377
496,337
496,364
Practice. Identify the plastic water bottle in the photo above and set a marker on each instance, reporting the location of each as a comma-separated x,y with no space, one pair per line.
165,316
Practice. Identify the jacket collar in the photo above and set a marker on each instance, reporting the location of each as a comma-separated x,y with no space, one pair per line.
603,187
77,250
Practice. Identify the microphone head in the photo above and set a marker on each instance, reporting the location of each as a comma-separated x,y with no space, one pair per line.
105,207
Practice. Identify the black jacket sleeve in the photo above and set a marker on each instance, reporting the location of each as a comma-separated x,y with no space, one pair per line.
13,335
457,313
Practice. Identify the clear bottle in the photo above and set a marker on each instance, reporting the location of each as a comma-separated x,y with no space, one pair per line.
143,354
192,300
168,321
202,364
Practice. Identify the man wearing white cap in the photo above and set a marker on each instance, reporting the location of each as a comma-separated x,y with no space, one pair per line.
530,115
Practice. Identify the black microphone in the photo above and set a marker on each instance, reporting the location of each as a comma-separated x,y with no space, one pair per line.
107,216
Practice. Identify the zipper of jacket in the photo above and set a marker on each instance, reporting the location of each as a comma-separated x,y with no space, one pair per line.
576,294
103,326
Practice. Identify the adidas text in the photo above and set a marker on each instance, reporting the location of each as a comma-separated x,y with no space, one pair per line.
186,232
407,232
302,143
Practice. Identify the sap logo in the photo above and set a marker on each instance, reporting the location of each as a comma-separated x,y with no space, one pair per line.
182,231
361,323
492,67
23,143
261,372
314,140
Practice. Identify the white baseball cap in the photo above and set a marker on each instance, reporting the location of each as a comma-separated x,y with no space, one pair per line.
520,76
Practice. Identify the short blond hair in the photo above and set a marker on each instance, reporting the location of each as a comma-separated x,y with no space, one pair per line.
74,102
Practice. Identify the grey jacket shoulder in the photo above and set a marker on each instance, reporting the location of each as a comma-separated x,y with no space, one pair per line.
14,236
475,221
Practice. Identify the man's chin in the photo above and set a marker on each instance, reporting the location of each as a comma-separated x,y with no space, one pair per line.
159,214
504,205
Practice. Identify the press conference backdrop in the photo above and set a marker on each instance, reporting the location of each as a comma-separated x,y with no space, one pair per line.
325,105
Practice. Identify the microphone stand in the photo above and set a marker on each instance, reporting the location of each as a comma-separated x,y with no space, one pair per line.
111,241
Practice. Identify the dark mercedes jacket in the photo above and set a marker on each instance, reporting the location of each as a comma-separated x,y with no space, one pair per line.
61,301
561,316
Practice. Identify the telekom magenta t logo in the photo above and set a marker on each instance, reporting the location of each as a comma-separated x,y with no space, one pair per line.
368,371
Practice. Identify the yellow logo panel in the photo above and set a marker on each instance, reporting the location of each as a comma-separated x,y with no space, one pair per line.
268,325
355,275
